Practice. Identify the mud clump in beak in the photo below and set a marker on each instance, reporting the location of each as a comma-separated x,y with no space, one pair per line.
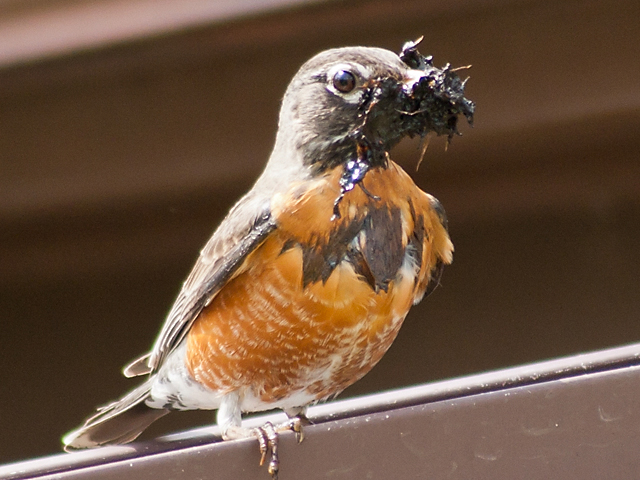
433,102
428,99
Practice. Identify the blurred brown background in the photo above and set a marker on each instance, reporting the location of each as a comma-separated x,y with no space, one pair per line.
128,129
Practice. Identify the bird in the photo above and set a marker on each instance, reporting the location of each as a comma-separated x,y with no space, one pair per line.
305,284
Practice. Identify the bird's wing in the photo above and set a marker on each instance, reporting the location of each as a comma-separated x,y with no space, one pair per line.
242,231
436,242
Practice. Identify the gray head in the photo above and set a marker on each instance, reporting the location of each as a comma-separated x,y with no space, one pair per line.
323,103
347,101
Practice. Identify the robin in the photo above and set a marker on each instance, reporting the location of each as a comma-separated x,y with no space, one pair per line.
306,282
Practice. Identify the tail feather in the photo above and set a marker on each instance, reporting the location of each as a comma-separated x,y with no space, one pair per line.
119,422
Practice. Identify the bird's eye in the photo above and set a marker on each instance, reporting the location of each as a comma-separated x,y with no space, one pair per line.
344,81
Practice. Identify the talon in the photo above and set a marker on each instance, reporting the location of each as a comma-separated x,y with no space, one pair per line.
272,439
296,428
296,425
274,466
261,435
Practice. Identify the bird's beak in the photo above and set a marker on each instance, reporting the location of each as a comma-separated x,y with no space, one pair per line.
411,79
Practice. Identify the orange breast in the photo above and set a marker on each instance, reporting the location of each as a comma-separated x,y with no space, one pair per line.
273,333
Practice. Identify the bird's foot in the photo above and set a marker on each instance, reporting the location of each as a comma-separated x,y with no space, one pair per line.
268,439
295,424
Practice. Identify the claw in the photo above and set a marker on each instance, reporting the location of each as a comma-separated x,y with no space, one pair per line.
273,440
296,427
262,443
268,438
295,424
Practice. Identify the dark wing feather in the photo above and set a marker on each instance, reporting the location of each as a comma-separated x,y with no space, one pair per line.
244,228
434,281
119,422
438,268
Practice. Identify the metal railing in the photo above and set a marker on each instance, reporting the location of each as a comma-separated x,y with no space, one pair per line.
574,417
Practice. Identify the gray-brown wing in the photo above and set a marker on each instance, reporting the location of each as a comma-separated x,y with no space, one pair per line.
244,228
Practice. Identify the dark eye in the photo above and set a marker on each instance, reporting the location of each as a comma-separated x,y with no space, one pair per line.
344,81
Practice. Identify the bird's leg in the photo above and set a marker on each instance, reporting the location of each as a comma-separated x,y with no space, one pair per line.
229,418
267,441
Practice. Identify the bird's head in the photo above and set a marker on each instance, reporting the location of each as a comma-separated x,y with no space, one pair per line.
356,103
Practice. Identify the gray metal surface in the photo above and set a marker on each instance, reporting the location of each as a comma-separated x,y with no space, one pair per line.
575,417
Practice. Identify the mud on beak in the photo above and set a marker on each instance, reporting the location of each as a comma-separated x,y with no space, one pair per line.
410,79
433,97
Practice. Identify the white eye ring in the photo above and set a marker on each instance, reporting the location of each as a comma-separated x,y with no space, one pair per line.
360,75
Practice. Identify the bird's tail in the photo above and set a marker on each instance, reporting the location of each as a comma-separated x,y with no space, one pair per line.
119,422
